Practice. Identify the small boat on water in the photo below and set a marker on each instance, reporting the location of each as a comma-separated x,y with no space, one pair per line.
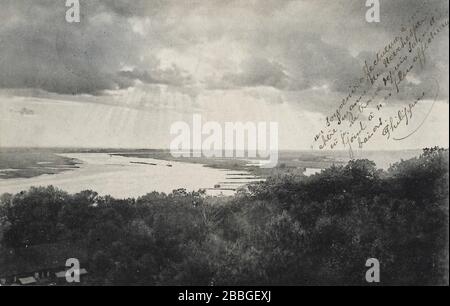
142,163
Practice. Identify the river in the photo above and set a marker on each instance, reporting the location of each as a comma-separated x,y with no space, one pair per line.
124,177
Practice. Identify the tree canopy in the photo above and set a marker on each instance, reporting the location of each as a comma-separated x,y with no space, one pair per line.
288,230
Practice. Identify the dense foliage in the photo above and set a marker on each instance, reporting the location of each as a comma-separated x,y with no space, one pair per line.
290,230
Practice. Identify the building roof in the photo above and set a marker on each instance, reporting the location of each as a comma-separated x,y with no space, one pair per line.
27,280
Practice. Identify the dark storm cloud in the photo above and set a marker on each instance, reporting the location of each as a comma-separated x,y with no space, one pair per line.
292,46
259,72
39,49
305,62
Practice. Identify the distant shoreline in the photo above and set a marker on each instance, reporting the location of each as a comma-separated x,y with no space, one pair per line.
31,162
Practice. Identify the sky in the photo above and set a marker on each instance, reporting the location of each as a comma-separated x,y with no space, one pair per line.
130,69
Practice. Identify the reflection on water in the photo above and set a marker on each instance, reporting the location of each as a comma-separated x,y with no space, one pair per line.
124,177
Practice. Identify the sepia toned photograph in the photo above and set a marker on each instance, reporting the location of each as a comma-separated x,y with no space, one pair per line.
207,144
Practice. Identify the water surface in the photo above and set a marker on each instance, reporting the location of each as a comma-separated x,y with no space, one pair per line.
124,177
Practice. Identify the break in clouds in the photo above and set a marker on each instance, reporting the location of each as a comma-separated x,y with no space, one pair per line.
300,52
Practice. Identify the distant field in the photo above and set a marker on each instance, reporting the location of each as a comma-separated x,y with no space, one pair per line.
287,160
26,163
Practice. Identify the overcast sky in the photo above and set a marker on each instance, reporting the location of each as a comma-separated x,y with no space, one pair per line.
129,69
